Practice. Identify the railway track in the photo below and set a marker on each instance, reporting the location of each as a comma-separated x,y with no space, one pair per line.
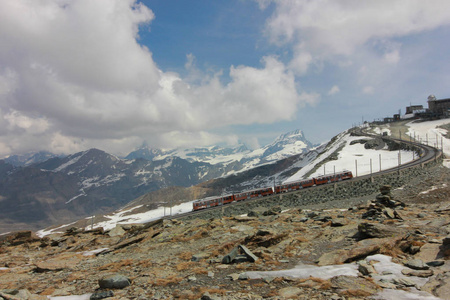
426,155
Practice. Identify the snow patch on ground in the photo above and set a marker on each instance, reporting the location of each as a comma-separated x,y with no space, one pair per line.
145,217
428,133
354,158
93,252
305,271
382,263
70,162
433,188
43,232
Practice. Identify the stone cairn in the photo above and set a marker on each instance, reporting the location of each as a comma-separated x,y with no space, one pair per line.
384,206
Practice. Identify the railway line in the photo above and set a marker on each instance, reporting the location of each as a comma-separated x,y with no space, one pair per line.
426,154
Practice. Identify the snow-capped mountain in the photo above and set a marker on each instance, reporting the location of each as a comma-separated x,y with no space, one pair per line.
64,188
29,158
285,145
212,155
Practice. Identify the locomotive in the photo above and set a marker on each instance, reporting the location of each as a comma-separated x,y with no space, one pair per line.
267,191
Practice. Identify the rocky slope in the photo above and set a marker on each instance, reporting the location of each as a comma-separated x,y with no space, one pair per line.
64,189
346,250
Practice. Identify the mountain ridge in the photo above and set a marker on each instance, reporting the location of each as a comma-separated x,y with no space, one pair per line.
96,182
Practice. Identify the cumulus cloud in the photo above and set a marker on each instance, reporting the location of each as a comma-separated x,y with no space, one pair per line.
73,74
339,27
331,31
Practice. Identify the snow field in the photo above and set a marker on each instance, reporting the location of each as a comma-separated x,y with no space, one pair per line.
354,158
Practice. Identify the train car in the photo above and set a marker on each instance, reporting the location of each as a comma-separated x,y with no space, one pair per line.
228,199
287,187
253,194
293,186
212,201
332,177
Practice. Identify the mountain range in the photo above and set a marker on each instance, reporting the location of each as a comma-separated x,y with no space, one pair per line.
37,190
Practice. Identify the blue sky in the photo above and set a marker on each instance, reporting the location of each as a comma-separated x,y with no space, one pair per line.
113,74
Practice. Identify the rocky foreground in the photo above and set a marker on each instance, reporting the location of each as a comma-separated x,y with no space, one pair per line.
393,246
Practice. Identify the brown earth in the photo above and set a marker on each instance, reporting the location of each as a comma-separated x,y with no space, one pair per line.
183,259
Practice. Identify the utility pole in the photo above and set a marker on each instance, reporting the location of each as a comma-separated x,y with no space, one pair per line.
379,159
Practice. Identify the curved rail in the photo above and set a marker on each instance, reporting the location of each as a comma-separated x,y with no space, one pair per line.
427,154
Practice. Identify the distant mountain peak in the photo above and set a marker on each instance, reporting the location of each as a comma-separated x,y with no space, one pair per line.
23,160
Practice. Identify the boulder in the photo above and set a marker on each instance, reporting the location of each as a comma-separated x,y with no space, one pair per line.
418,273
101,295
360,250
376,230
416,264
289,292
345,282
117,231
19,237
114,282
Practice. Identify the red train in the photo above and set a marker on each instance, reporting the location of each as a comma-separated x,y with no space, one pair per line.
284,188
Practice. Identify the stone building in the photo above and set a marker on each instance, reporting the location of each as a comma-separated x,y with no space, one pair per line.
411,109
439,107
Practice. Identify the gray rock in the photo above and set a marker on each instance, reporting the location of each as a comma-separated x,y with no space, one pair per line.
418,273
403,282
251,257
365,268
414,249
312,214
234,276
257,212
446,241
384,283
13,294
339,222
199,256
389,213
351,282
376,230
436,263
116,231
114,282
289,292
416,264
101,295
207,296
274,210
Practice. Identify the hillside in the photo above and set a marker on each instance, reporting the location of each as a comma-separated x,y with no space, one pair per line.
36,192
340,153
355,250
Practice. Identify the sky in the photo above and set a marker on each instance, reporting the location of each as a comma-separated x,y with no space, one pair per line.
117,74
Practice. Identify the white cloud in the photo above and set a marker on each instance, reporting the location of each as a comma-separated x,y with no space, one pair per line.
176,139
73,75
392,57
334,90
354,32
301,61
340,27
73,72
18,121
